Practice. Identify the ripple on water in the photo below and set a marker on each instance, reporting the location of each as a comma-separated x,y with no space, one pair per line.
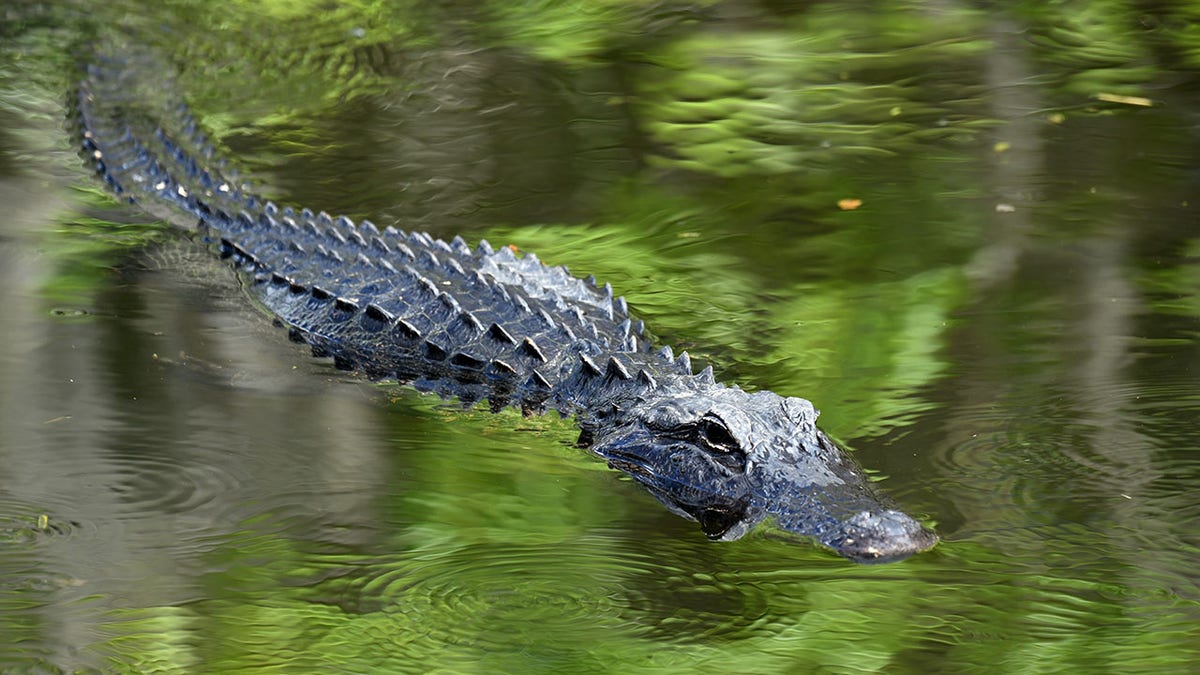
453,604
1087,485
19,529
169,484
559,602
493,596
31,578
516,584
54,520
145,487
1047,466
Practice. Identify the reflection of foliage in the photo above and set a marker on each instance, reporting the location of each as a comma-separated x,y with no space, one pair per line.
590,602
32,64
1176,289
83,250
279,58
584,30
154,641
35,73
1092,46
1179,23
871,348
822,340
779,101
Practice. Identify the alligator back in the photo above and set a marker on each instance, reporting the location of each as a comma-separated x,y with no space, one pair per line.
461,322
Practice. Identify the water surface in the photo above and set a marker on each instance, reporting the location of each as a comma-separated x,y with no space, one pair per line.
970,238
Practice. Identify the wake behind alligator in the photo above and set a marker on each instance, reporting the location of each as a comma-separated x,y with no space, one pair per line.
483,323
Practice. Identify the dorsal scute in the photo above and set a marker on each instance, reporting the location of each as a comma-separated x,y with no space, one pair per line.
645,379
471,322
615,369
498,333
458,246
588,366
589,310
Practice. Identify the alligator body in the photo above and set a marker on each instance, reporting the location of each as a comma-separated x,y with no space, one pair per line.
488,324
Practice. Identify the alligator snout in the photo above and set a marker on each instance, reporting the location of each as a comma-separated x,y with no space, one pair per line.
883,536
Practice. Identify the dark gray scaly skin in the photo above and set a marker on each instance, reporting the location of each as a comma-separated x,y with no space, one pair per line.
485,323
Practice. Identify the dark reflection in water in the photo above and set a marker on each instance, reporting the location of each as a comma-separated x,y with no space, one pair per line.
969,237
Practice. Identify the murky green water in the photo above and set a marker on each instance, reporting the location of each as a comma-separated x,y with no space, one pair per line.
963,234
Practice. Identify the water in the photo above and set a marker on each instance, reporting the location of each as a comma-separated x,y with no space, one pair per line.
1003,328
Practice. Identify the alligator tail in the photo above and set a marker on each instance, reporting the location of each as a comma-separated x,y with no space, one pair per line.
146,145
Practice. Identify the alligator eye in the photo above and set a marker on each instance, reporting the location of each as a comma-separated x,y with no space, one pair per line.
716,437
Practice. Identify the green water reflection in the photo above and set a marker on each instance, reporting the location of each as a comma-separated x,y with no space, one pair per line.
969,235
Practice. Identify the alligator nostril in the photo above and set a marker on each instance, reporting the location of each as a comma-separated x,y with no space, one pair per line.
716,522
884,536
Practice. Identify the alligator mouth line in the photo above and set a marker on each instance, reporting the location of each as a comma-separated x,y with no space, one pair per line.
629,464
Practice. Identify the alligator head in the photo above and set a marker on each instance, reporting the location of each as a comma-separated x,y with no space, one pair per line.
730,459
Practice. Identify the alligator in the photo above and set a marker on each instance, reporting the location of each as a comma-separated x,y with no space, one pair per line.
489,324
